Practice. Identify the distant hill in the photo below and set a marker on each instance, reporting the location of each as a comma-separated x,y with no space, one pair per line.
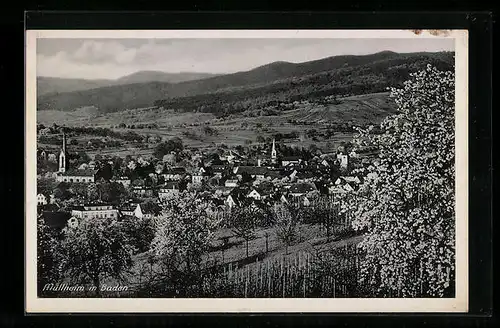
263,86
48,85
51,85
155,76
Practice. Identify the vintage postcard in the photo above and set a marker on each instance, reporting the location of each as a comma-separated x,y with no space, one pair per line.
246,171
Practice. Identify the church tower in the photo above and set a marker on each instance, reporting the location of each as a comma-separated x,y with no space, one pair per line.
62,156
273,152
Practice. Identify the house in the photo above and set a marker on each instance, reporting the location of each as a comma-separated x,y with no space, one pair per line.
272,175
219,170
263,191
305,176
230,201
95,210
301,189
128,209
222,191
290,160
169,191
198,178
254,194
339,189
77,176
344,160
348,179
256,172
41,199
174,174
231,183
42,155
52,157
123,180
142,191
135,210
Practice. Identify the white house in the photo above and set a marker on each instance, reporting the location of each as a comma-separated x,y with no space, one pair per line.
135,210
344,160
95,211
41,199
255,195
123,180
291,160
78,176
230,201
174,174
232,183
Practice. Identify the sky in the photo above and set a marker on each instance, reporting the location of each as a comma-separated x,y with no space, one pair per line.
114,58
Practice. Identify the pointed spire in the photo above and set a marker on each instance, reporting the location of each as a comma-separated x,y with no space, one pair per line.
273,151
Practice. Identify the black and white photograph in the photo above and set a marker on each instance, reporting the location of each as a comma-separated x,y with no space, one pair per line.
256,167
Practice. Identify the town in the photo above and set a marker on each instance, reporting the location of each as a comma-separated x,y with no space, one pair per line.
226,178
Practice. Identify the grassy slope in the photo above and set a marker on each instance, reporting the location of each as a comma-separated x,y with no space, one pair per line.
370,108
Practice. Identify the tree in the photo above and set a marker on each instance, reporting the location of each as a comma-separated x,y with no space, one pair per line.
62,191
140,232
182,235
286,219
94,251
164,148
406,202
47,259
243,222
324,212
93,192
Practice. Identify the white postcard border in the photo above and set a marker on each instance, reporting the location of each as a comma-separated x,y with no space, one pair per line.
33,304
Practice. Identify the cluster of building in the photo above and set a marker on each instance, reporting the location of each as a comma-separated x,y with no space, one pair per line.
231,181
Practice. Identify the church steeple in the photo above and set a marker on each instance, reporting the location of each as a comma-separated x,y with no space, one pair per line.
62,156
273,152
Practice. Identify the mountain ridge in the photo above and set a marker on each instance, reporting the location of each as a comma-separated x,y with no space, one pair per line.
332,75
52,85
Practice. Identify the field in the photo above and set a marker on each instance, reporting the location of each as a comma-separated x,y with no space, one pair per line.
296,272
240,129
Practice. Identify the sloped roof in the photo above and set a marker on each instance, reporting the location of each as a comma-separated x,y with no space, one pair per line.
252,170
80,173
290,158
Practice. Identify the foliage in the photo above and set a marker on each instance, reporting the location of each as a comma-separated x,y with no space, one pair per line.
406,202
286,218
165,148
182,234
244,221
95,250
140,232
47,256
